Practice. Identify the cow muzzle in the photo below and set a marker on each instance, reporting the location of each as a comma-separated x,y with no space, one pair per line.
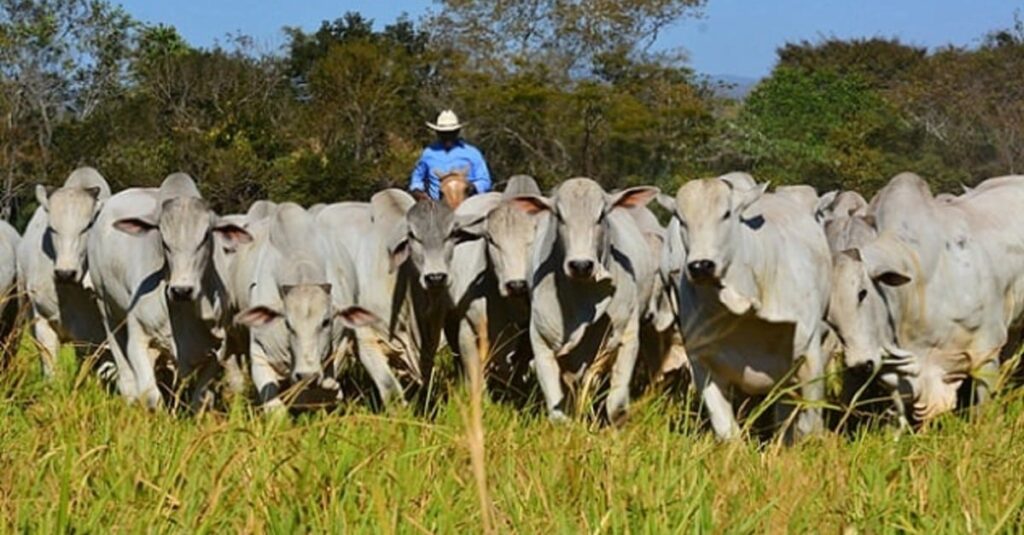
702,271
65,275
580,269
435,281
516,288
181,293
310,378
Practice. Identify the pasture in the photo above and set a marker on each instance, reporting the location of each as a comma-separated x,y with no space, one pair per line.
75,458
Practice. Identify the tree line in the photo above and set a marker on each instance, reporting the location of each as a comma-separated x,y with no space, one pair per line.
552,88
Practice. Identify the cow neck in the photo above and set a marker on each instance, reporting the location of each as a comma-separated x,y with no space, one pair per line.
748,261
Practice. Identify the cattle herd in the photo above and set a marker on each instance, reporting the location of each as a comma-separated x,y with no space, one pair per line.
744,291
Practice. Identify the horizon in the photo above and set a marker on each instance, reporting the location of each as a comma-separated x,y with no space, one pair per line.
709,41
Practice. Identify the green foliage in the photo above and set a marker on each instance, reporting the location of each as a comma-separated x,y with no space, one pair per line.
554,88
877,62
821,128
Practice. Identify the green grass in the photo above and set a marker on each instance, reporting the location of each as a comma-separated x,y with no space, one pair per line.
73,457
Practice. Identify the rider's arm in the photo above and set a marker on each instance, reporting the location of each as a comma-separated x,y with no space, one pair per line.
480,177
418,180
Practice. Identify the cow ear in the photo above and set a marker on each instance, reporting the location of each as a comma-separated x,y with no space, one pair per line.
824,207
748,197
356,316
389,206
870,220
43,196
667,202
891,278
326,287
398,254
854,254
633,197
93,191
257,316
232,233
135,226
531,204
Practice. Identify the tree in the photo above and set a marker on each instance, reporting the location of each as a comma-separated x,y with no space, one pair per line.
59,59
567,35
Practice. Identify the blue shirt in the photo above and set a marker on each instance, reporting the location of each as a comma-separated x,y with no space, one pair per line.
435,159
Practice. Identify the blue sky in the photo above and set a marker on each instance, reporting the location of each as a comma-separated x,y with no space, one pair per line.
735,37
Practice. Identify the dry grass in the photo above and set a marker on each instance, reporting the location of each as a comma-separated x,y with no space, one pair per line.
76,458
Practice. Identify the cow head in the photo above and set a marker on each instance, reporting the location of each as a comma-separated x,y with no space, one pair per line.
861,304
186,226
418,232
580,210
70,213
509,234
308,316
710,214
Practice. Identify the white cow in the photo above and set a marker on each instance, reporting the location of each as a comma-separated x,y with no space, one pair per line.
593,274
289,304
151,258
402,249
489,284
9,299
54,273
939,295
752,300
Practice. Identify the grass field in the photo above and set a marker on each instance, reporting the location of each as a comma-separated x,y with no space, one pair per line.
74,458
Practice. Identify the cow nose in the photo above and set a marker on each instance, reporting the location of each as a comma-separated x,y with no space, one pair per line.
65,275
436,280
181,293
516,287
581,268
301,377
701,269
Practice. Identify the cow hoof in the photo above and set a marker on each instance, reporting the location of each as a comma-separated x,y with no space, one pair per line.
617,417
558,417
274,407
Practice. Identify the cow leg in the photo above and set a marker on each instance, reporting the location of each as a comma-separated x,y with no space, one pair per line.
266,380
117,341
373,359
200,372
49,345
622,372
985,380
549,375
719,408
230,356
812,390
143,365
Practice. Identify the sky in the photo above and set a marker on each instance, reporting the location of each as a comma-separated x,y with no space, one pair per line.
733,37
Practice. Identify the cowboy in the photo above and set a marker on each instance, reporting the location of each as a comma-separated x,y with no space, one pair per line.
450,157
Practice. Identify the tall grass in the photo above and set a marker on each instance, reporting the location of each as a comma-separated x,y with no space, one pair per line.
73,457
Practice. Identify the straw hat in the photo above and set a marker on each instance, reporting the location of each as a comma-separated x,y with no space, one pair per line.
447,121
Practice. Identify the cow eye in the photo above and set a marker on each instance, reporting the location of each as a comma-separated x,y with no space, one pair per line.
727,214
862,295
682,224
324,324
288,325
